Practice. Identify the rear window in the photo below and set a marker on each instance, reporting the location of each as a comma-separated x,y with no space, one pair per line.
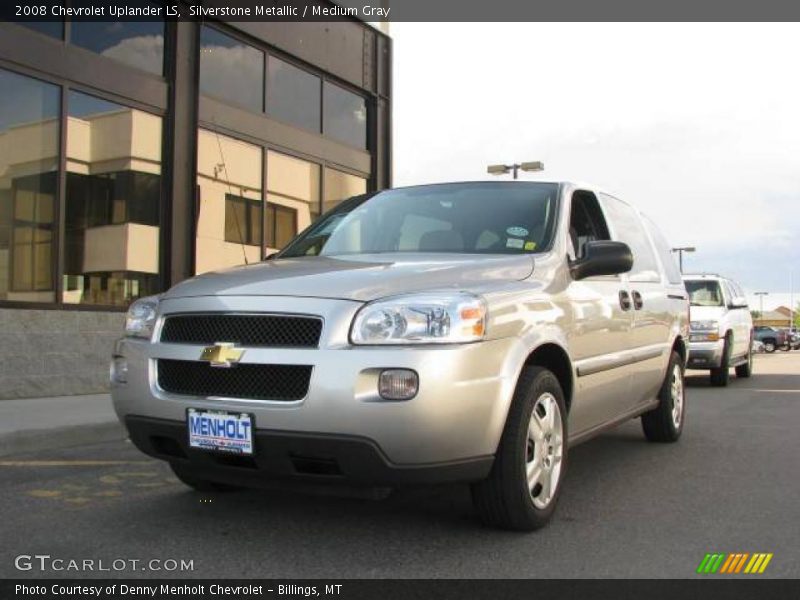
704,293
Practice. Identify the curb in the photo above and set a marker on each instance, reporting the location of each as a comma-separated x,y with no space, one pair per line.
34,440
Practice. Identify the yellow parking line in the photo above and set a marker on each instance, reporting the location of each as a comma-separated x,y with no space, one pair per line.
71,463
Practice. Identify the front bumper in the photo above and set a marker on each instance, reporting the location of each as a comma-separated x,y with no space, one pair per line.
300,456
705,355
457,416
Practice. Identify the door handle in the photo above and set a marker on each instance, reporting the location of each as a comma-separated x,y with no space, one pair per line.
638,302
624,300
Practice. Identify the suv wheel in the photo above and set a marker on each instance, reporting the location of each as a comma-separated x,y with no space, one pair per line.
199,484
769,345
720,374
522,490
665,422
746,369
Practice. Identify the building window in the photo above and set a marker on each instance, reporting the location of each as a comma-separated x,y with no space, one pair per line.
229,180
113,203
139,44
340,186
52,28
29,156
281,225
231,70
293,95
242,220
294,183
345,116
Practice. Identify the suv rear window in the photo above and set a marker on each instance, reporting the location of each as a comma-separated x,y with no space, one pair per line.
704,293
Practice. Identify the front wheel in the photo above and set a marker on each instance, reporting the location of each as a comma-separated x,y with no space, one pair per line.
769,346
523,487
720,374
744,371
665,422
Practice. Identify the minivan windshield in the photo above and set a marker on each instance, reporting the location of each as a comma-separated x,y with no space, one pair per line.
467,218
704,293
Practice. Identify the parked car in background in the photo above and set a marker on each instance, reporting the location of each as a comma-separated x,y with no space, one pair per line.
466,332
721,327
772,337
792,339
758,347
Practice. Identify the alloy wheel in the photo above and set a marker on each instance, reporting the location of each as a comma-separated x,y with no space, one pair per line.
544,450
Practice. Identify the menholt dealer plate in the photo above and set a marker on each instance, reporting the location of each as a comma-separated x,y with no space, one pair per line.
220,431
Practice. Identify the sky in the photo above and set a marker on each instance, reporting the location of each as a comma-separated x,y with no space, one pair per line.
696,124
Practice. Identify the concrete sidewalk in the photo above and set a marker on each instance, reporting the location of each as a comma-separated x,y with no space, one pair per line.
33,424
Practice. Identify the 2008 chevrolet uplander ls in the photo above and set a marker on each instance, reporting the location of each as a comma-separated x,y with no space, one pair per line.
454,332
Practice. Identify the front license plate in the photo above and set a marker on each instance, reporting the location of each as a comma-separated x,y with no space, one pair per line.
220,431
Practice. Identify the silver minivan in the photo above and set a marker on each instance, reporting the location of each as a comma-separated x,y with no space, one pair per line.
460,332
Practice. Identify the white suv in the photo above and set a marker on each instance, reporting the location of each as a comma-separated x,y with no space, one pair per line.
721,327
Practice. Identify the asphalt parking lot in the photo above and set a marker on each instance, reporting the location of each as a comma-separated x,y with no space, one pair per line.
628,509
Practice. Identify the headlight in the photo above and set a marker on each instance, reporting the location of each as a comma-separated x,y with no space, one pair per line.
142,317
439,318
705,325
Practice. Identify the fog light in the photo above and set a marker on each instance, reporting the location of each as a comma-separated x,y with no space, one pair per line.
398,384
119,369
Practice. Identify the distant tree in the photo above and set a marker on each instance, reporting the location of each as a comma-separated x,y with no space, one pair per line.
755,314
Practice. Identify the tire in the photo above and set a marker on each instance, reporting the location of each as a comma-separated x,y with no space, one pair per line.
721,374
535,444
197,483
769,346
665,422
744,371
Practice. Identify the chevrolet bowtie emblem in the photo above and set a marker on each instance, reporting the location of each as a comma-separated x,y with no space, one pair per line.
222,354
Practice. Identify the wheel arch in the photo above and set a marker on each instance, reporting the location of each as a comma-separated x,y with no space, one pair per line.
553,357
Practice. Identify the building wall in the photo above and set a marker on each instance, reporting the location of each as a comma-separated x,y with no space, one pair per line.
57,338
55,352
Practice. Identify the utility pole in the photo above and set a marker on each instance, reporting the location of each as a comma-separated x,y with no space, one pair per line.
761,306
680,252
515,168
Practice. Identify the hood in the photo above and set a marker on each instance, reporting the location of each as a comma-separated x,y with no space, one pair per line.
362,277
706,313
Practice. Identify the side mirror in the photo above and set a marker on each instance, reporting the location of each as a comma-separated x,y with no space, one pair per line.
602,258
738,302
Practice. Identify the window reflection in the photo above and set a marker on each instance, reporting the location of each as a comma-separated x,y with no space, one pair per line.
345,116
293,95
293,184
138,44
229,174
29,139
231,70
340,186
113,200
52,28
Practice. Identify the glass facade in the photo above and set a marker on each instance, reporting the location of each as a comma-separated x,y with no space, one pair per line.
113,203
138,44
295,184
229,205
231,70
345,117
82,193
52,28
340,186
293,95
29,142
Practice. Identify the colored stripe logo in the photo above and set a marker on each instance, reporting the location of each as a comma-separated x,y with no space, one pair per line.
734,563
